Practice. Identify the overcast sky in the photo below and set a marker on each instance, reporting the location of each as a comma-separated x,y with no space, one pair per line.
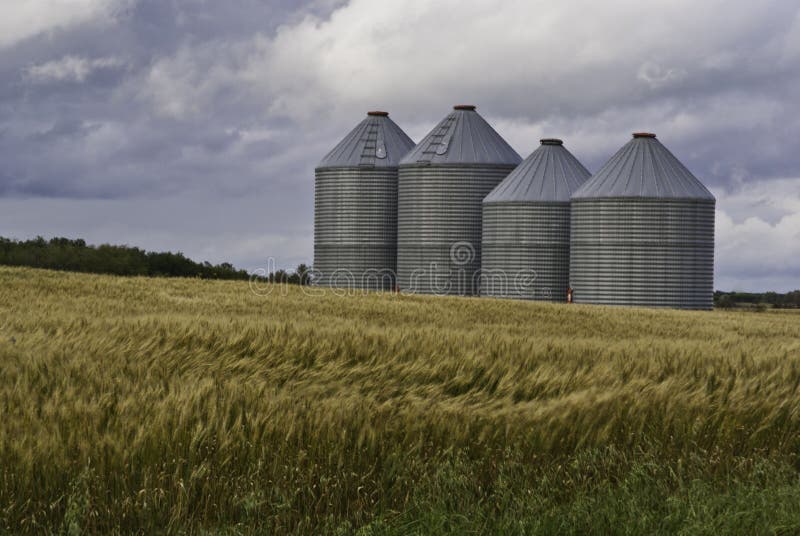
195,125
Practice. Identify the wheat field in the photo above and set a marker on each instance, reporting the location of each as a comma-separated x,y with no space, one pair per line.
134,405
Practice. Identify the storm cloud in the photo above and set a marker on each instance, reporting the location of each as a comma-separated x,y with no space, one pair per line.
195,125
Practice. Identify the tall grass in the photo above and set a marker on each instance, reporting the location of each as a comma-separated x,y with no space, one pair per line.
187,405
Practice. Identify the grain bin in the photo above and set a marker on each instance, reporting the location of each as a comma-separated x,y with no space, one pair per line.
442,183
355,207
525,246
643,232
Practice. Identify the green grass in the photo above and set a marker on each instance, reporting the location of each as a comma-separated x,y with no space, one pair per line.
140,405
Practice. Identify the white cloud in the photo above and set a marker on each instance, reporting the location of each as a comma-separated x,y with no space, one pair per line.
20,19
791,42
171,86
657,76
758,237
534,55
69,69
184,84
583,70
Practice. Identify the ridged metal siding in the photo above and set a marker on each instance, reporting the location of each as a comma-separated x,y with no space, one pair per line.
654,253
550,174
525,251
462,137
355,218
638,249
439,235
441,185
376,141
525,245
643,168
355,207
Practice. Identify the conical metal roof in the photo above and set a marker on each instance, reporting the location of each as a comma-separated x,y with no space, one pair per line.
550,174
463,137
644,168
377,141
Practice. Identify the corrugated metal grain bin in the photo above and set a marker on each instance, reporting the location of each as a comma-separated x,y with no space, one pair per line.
355,207
442,183
643,232
525,250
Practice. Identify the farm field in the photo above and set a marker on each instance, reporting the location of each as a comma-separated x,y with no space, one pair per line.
180,405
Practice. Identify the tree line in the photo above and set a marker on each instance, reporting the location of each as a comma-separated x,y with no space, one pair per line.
75,255
790,300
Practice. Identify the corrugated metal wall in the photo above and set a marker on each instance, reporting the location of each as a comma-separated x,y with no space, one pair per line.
355,207
643,252
525,251
439,237
526,226
442,183
355,218
640,232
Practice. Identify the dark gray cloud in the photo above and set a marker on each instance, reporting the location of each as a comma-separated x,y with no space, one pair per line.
196,124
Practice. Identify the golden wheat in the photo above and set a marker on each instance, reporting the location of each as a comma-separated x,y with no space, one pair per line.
131,402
